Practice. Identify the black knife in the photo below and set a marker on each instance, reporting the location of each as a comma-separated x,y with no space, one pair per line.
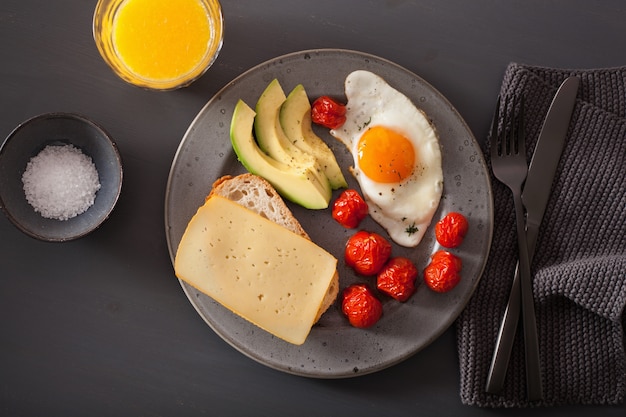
535,196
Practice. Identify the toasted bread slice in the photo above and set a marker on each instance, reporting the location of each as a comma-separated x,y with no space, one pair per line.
258,195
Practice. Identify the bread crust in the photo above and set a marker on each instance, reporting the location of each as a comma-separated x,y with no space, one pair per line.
258,195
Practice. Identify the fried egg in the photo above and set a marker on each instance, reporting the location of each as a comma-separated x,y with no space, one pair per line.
397,159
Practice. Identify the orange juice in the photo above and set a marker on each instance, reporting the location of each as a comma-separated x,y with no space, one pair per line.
161,44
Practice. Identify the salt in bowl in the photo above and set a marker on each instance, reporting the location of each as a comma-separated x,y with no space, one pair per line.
58,129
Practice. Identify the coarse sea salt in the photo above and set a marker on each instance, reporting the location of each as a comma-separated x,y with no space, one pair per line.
60,182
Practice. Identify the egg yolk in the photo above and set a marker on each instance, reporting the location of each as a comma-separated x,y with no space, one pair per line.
385,156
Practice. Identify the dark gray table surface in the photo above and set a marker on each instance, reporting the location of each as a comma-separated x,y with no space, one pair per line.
101,326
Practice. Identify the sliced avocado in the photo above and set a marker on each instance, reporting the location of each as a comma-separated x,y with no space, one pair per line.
270,136
295,119
269,133
300,185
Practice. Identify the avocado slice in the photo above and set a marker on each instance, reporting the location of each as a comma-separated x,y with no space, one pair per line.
295,119
271,137
297,184
269,133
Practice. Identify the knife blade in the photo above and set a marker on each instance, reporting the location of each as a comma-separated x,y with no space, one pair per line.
535,196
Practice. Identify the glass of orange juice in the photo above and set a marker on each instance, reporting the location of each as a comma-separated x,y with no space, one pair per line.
158,44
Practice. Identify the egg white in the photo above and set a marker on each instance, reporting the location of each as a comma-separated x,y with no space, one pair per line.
406,208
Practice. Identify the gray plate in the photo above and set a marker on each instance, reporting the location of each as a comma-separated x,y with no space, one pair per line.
334,349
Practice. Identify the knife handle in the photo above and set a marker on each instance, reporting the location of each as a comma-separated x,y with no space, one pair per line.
531,339
508,326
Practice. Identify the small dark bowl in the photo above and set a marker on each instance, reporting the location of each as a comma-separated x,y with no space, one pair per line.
26,141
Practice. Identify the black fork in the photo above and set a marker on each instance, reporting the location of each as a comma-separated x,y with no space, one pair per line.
509,165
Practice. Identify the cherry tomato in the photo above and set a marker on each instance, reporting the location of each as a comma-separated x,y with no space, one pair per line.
328,112
349,209
442,273
361,306
451,230
397,278
367,252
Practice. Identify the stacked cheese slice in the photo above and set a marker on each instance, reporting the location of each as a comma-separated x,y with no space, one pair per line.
267,274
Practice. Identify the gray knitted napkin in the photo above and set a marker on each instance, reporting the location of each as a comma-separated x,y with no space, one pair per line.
579,268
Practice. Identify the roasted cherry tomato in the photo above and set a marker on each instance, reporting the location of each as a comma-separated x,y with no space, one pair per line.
397,278
443,272
328,112
349,209
367,252
361,306
451,230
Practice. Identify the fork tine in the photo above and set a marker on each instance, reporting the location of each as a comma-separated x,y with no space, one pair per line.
494,130
514,141
521,140
509,147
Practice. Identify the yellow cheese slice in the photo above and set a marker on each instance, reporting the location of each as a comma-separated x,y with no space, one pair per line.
263,272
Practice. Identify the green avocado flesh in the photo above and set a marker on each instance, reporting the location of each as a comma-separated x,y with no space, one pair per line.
295,120
271,137
300,183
